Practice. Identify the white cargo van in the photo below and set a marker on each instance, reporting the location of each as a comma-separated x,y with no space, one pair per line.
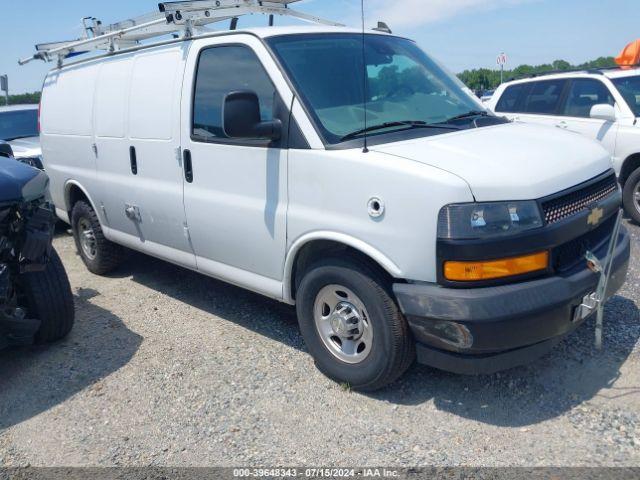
398,215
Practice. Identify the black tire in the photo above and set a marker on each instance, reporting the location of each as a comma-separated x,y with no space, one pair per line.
48,298
108,255
393,349
631,204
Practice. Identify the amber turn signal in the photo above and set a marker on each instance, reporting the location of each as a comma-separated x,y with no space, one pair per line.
506,267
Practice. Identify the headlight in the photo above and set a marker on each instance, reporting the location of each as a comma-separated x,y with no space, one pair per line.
488,220
35,162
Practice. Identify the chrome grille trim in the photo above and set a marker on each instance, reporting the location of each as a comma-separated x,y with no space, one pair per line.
578,200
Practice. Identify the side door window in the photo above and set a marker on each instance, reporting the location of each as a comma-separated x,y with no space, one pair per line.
584,93
544,97
511,99
222,70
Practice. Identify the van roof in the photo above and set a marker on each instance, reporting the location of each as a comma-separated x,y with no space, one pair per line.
266,32
615,72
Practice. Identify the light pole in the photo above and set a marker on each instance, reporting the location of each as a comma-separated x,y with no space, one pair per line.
4,86
502,61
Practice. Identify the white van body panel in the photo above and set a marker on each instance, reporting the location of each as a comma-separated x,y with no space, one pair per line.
500,162
403,240
66,123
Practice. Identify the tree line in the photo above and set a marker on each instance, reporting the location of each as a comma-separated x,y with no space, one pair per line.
486,79
22,99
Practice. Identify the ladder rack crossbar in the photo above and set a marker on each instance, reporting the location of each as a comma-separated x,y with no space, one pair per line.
184,18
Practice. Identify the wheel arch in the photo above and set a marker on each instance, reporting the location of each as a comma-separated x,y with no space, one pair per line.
630,165
73,192
306,249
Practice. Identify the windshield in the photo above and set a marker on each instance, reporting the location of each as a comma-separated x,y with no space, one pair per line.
629,88
402,83
18,124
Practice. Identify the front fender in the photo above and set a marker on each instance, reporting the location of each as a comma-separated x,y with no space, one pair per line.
347,240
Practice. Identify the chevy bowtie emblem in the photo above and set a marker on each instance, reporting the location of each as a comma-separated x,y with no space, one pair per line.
595,216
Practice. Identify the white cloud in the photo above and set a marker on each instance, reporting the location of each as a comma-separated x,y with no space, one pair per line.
414,13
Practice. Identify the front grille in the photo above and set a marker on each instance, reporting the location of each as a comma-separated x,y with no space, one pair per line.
574,202
568,255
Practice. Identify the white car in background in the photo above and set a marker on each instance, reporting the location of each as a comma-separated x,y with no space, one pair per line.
601,104
486,96
19,127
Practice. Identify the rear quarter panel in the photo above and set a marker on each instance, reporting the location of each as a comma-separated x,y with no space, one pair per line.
66,122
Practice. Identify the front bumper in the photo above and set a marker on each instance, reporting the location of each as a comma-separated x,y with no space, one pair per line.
17,331
484,330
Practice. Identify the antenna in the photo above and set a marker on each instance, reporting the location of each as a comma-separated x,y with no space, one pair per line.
364,81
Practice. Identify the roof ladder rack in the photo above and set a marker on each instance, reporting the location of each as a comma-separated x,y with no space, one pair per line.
181,18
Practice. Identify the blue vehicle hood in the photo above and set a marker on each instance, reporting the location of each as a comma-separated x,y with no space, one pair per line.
20,182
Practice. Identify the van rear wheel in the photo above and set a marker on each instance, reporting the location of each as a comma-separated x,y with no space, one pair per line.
352,326
99,254
631,196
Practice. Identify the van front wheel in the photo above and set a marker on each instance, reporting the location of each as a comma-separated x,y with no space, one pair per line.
99,254
351,325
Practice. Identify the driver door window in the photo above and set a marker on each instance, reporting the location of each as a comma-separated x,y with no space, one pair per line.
222,70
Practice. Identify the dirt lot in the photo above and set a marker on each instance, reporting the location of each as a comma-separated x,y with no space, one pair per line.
166,367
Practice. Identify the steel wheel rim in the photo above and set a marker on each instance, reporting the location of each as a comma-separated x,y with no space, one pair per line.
343,323
636,197
87,238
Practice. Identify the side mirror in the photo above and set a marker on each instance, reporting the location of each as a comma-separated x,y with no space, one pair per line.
603,111
6,150
241,117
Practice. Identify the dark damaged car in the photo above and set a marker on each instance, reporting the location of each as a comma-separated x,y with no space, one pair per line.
36,303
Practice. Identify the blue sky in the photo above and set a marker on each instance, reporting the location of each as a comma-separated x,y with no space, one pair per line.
461,33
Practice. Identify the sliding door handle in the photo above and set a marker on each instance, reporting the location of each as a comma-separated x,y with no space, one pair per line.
134,160
188,166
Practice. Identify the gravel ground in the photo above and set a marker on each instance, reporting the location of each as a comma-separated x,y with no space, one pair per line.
167,367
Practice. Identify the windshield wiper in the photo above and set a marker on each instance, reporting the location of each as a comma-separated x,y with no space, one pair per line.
471,114
409,124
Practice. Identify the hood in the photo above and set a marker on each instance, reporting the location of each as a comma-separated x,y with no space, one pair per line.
26,147
19,182
513,161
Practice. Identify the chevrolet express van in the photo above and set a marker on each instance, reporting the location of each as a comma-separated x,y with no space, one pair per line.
369,189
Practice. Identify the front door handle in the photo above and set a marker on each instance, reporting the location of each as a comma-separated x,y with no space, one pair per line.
564,125
188,166
133,158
